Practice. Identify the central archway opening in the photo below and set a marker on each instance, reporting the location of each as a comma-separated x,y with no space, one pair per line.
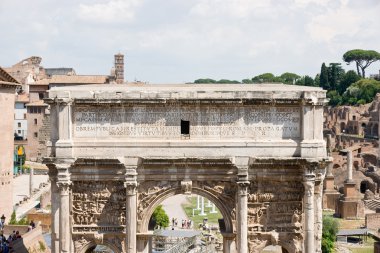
192,222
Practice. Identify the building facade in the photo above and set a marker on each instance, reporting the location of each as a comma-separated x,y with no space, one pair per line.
8,87
37,112
118,151
20,122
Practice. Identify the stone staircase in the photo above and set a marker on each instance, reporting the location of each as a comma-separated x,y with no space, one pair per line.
372,204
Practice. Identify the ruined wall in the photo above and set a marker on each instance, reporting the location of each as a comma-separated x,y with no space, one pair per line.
372,221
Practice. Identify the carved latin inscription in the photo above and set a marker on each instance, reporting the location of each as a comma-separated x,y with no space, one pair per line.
205,122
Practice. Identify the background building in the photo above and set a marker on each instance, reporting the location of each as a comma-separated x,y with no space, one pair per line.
8,86
20,122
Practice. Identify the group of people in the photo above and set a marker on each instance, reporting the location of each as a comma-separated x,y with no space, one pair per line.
185,224
6,244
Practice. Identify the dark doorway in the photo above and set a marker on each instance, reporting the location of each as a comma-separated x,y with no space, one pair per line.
364,186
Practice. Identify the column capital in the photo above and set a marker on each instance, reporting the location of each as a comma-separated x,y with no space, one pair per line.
131,187
243,187
63,178
130,183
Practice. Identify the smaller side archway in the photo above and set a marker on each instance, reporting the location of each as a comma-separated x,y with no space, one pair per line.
91,245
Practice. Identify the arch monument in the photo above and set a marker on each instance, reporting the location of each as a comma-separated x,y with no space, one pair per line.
117,151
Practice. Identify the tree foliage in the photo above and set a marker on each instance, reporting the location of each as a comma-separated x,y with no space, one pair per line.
361,92
348,78
324,77
336,73
362,59
209,80
289,78
329,231
160,217
305,81
264,78
13,220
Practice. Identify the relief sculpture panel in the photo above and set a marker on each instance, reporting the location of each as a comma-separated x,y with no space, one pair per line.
275,210
98,207
205,122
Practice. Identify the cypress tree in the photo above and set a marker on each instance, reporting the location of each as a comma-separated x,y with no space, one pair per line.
324,77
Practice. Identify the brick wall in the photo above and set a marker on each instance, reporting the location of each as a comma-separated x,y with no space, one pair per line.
372,221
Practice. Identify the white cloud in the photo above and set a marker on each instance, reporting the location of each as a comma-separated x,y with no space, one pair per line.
181,40
112,11
232,8
344,21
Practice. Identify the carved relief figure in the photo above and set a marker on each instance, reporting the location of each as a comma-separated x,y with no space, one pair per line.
101,204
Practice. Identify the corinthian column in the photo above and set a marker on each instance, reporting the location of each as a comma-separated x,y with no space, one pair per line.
55,203
309,180
318,213
242,209
131,209
242,216
64,184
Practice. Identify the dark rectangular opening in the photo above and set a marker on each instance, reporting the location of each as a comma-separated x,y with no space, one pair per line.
185,127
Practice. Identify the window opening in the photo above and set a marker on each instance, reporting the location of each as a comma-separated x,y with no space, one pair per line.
185,127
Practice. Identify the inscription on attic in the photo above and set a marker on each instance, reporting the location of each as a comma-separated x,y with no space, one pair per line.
259,123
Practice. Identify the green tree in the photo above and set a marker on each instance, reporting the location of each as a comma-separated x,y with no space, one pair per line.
348,78
227,81
334,97
289,78
13,220
329,231
305,81
363,90
324,77
317,80
362,59
335,75
160,217
264,78
246,81
205,80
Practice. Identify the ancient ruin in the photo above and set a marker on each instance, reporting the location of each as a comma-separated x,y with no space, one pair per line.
117,151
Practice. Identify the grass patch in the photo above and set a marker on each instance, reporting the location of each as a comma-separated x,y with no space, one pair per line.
192,204
361,250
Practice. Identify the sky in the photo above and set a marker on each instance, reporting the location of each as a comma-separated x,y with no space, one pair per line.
175,41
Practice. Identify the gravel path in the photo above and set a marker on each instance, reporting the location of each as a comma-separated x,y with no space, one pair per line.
173,208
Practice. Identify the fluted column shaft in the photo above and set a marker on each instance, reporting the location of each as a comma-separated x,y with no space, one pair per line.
55,203
131,210
64,184
309,243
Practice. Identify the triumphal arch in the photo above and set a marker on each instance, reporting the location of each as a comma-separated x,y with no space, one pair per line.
256,151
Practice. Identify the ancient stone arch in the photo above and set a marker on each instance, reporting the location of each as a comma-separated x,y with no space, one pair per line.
117,151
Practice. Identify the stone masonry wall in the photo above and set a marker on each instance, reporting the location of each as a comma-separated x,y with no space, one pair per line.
372,221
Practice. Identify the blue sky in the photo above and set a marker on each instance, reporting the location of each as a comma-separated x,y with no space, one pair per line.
169,41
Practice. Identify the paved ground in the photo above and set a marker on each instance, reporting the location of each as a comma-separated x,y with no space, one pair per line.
21,186
173,208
